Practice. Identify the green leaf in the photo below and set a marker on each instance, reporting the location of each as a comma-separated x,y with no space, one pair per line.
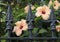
43,31
3,40
35,30
25,34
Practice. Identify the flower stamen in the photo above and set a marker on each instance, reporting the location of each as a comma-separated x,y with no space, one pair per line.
43,12
21,27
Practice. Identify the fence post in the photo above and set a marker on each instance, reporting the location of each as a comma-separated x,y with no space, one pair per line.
52,24
8,22
30,21
0,22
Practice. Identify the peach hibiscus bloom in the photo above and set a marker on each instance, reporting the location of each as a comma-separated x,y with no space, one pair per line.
20,26
50,2
58,28
43,11
27,8
56,4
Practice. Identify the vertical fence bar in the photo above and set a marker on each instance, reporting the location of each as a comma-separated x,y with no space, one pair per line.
52,24
43,3
0,22
30,20
8,22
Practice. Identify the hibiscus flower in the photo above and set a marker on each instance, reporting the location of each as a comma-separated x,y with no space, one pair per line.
20,26
27,8
56,4
43,11
58,28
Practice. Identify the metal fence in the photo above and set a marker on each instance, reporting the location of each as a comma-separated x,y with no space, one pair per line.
30,19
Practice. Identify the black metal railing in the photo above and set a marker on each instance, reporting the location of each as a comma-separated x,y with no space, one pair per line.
30,20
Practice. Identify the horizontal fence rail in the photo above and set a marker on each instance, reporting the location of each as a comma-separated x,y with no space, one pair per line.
28,38
30,20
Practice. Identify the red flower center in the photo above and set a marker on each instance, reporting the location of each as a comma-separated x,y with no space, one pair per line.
21,27
54,5
43,12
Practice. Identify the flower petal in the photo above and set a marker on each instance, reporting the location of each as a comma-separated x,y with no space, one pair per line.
18,32
46,16
38,8
24,24
25,27
27,8
50,3
58,28
18,23
15,28
32,7
23,21
56,4
38,14
43,11
18,29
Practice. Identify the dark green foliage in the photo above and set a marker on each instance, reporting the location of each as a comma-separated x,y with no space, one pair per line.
43,28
